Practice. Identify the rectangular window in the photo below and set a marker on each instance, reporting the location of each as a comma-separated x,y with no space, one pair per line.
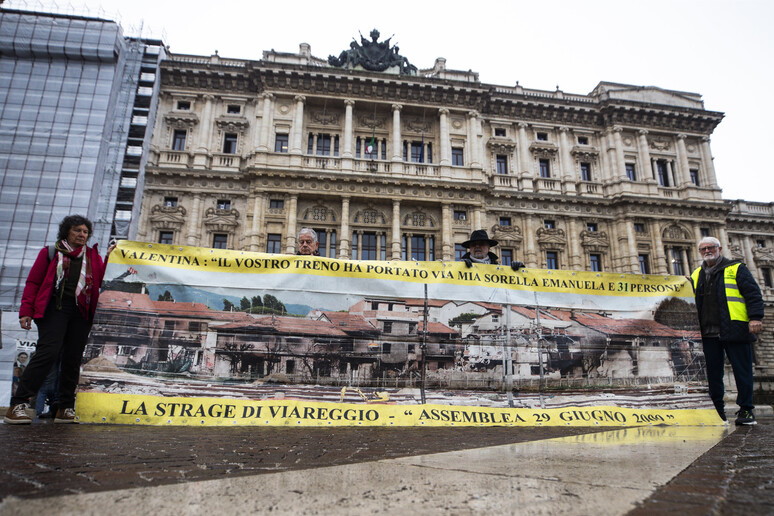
290,366
178,140
459,251
499,131
230,143
233,109
502,164
639,227
695,176
323,144
583,140
549,224
417,152
170,202
585,171
595,260
678,268
418,248
552,260
644,264
219,240
183,105
274,243
276,204
457,157
387,327
630,172
165,237
545,168
368,246
591,227
766,273
505,221
224,204
386,348
281,143
663,172
460,215
760,244
705,232
543,137
506,256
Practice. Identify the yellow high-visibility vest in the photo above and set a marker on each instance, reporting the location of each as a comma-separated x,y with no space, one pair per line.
737,309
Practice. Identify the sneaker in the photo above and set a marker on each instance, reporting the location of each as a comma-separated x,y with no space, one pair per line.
17,415
746,417
65,415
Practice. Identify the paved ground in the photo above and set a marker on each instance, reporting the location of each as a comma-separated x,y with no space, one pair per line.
92,469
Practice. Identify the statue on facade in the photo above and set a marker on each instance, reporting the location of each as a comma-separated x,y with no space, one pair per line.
373,55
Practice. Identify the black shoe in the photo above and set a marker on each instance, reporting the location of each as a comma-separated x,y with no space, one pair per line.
722,413
745,417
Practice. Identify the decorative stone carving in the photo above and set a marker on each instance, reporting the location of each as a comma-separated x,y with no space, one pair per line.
736,252
370,121
501,145
167,217
319,213
594,241
370,216
507,236
551,238
763,256
541,149
584,153
373,55
221,221
659,144
181,119
325,118
232,124
418,125
675,232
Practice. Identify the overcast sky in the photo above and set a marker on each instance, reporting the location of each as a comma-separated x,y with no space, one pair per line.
723,50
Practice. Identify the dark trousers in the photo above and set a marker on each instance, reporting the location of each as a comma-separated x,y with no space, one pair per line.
741,359
60,333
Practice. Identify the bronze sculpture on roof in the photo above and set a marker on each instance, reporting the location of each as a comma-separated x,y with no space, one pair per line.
373,55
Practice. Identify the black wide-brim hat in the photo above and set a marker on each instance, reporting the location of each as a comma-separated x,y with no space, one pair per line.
479,235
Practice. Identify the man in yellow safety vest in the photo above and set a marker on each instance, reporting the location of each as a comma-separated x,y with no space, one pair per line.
730,309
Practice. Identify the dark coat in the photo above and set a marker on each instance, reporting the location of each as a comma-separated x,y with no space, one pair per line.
733,331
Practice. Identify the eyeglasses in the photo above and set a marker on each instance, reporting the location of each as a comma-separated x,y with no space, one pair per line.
708,249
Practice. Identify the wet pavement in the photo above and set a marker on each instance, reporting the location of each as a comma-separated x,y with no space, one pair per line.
95,469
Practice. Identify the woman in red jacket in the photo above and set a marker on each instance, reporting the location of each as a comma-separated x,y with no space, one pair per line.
61,296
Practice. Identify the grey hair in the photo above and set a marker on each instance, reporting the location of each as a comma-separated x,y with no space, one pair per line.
309,231
711,240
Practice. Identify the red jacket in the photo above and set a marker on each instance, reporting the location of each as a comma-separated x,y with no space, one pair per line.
40,284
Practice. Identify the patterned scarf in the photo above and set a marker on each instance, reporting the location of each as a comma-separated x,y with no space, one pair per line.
83,288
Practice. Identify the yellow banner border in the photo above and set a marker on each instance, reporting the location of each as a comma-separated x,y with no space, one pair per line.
136,409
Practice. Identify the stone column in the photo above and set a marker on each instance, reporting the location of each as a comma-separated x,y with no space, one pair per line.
634,262
612,163
290,235
258,217
722,235
530,241
395,230
397,142
296,146
206,125
194,222
747,247
263,140
525,164
566,160
654,167
683,167
478,218
474,145
709,167
658,260
576,253
445,138
645,168
348,134
344,239
447,247
620,170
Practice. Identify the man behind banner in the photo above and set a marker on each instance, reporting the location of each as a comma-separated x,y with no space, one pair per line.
307,242
478,246
730,309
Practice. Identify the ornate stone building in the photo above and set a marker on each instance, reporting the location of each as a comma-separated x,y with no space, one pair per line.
405,163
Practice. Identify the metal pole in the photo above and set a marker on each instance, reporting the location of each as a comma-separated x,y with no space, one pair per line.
423,348
540,350
509,360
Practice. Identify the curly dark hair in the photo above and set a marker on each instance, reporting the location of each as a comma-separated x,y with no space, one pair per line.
72,221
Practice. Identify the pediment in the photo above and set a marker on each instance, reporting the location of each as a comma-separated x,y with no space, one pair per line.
594,239
181,120
551,236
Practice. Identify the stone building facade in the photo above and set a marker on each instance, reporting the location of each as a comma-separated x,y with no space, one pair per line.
388,166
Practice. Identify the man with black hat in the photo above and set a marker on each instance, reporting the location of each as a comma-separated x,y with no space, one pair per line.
478,246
